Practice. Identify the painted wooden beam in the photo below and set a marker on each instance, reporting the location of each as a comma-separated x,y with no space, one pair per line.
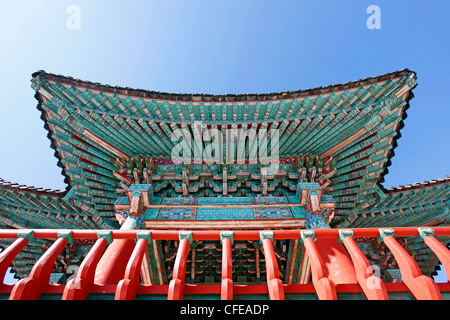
224,224
341,145
102,143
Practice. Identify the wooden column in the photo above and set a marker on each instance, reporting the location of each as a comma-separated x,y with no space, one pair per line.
227,265
257,246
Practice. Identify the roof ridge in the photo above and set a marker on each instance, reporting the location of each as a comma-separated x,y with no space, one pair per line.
21,187
425,183
205,97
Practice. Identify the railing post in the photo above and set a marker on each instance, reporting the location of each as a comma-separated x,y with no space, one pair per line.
373,287
324,286
128,286
438,248
421,287
79,287
111,267
176,285
31,288
8,255
335,258
226,237
274,284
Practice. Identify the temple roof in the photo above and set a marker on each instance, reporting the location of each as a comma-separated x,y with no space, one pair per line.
90,124
424,203
30,207
22,187
202,97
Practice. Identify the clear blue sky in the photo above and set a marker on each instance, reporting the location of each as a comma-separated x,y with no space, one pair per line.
224,47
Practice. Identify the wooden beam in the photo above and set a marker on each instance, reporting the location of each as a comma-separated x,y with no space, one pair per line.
105,145
341,145
253,205
224,224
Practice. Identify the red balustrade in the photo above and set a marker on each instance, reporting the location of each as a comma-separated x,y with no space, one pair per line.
125,282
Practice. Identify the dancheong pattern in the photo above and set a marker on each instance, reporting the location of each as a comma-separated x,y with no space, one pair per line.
114,146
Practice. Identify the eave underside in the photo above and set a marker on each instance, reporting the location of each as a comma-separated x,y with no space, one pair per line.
91,124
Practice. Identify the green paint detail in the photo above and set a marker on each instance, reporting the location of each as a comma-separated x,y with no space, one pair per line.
144,235
304,234
70,194
226,235
266,234
384,233
66,235
135,194
343,233
107,234
27,234
185,235
425,232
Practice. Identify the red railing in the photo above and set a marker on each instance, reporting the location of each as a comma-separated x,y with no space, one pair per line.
37,283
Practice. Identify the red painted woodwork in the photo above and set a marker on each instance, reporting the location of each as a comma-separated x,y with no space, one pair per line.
177,284
325,288
111,267
36,284
215,234
8,255
441,251
373,287
127,287
420,286
79,287
337,261
31,288
274,283
227,271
